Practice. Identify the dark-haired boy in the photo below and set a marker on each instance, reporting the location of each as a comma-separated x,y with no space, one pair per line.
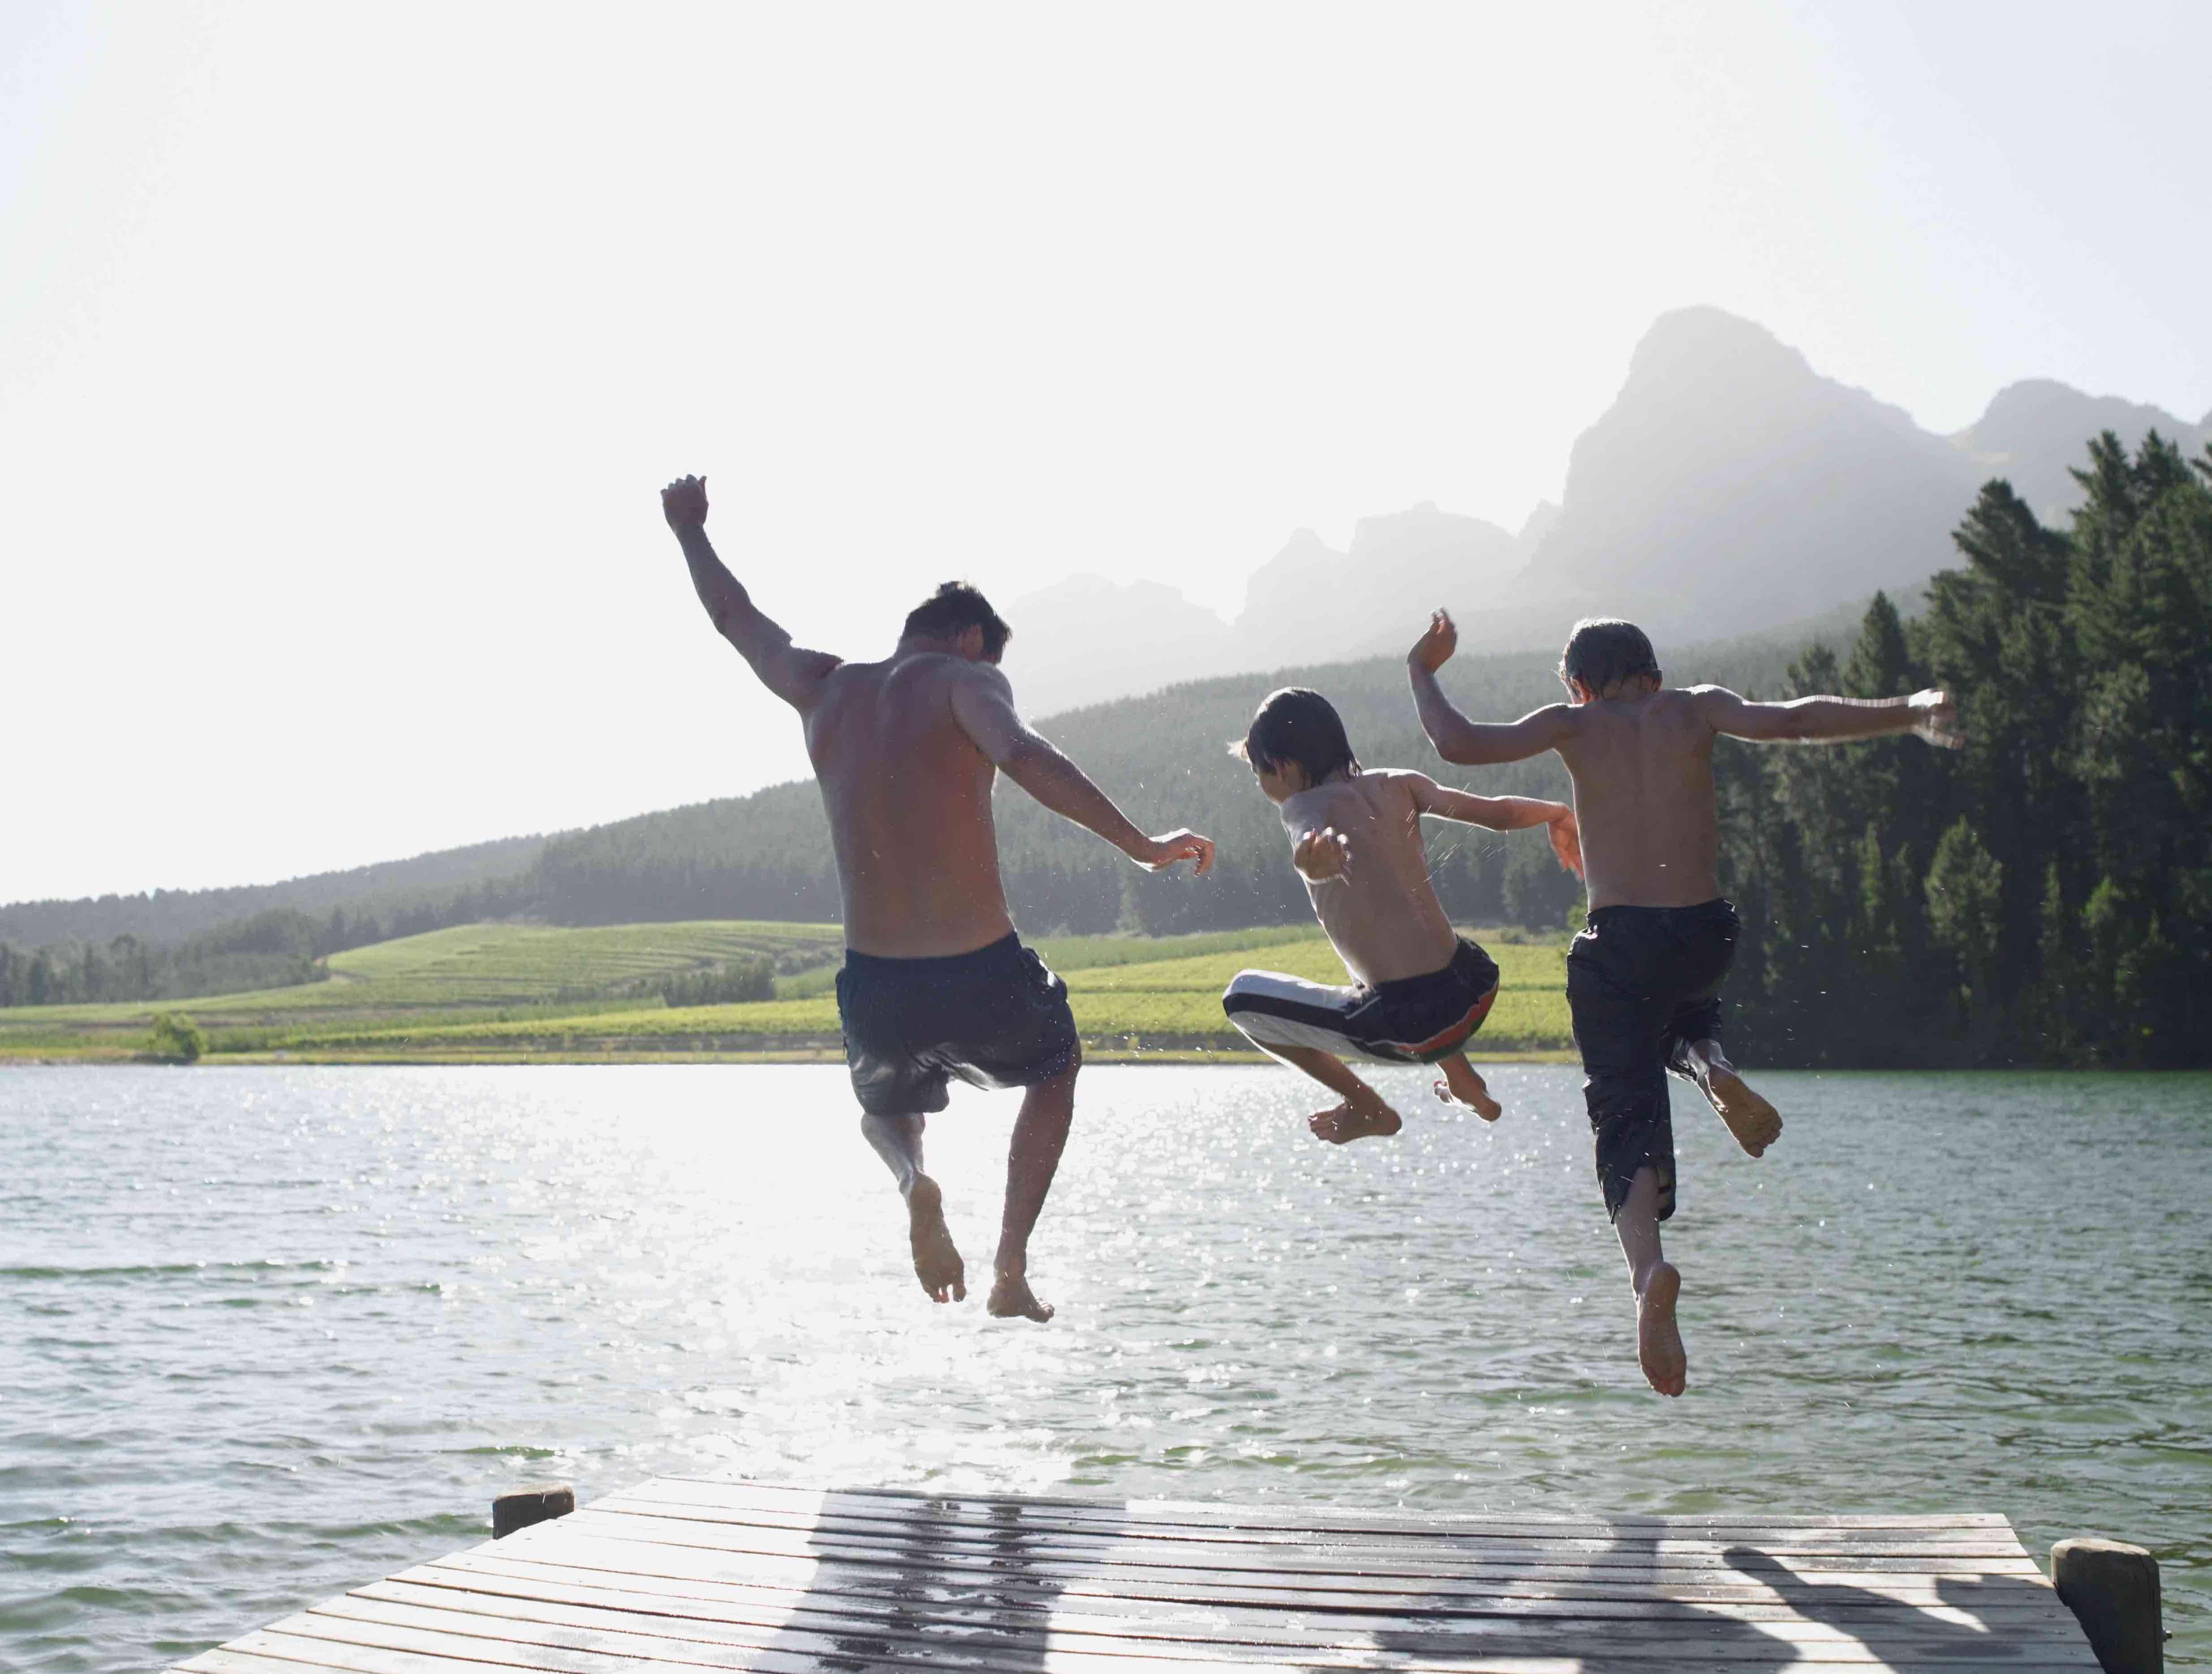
1643,977
936,983
1419,990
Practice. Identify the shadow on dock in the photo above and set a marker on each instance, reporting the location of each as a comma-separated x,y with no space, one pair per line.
901,1582
975,1582
1894,1634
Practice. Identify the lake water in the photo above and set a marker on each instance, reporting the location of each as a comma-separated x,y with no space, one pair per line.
266,1334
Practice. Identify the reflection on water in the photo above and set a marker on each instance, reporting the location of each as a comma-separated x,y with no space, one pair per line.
270,1332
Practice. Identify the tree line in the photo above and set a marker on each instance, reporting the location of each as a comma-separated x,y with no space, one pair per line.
277,948
2043,896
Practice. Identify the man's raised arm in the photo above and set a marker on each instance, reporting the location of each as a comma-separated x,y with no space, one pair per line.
794,675
1473,743
983,704
1829,720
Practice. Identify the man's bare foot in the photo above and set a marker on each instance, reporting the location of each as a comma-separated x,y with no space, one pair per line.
1012,1298
1755,1123
937,1262
1462,1085
1658,1343
1362,1115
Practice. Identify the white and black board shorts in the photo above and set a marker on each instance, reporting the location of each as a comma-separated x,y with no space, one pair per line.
1416,1019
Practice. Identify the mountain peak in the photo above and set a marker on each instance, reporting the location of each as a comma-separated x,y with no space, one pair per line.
1704,338
2034,430
1731,484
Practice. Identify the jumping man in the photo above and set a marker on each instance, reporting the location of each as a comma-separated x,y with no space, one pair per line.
935,982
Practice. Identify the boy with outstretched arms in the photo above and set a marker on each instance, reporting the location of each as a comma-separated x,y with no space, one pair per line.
1419,990
1643,977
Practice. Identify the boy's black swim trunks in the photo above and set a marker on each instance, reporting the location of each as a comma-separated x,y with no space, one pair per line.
1416,1019
1642,982
995,1018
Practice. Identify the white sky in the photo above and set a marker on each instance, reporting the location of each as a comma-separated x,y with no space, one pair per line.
342,350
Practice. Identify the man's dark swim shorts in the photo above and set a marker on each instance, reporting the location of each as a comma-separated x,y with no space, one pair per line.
1642,982
995,1018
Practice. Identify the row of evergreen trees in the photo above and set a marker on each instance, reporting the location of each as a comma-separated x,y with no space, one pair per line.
2043,896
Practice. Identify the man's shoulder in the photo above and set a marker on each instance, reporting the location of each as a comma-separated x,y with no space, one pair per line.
938,669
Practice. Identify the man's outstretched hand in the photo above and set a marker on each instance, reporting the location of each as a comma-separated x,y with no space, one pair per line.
1163,852
1434,648
683,503
1935,718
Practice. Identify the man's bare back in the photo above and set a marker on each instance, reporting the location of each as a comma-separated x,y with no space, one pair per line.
908,791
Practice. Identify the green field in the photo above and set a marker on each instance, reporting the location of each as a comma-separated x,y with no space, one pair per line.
493,992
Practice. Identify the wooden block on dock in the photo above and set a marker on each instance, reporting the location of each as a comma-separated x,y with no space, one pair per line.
2112,1590
687,1572
520,1507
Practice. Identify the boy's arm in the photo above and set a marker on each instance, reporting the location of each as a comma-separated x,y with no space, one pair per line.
793,674
983,705
1473,743
1503,813
1930,713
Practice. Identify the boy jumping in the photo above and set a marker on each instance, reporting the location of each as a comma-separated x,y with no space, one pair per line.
1419,991
1643,979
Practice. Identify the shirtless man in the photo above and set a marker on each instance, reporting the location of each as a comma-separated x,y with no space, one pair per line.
935,982
1419,991
1643,979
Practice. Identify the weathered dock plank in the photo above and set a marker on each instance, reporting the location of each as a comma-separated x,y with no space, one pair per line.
683,1573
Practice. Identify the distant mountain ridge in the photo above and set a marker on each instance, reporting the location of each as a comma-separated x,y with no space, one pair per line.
2031,433
1729,487
165,917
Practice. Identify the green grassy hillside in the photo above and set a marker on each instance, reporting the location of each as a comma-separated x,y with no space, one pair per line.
506,992
470,973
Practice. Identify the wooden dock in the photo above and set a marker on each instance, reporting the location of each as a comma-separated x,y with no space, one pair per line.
684,1573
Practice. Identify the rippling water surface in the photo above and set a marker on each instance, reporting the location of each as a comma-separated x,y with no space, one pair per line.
265,1333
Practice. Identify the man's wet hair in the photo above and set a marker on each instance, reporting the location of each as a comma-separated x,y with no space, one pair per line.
1603,651
953,609
1297,724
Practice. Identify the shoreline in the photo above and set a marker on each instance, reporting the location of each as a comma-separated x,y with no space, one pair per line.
1099,1053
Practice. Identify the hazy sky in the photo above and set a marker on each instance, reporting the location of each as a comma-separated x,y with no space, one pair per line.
345,349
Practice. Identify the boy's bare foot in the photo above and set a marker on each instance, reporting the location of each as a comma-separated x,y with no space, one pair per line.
1362,1115
1462,1085
1658,1343
937,1260
1012,1298
1755,1123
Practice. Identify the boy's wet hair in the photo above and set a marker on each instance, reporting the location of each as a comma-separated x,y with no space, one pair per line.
953,609
1297,724
1603,651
